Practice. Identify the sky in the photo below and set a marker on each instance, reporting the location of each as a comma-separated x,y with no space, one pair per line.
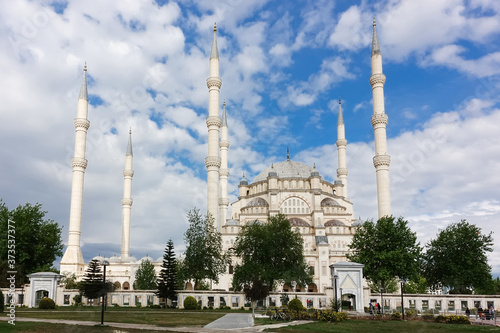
283,69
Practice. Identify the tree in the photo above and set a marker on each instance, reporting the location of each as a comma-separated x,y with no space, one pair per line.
38,240
388,249
457,258
416,286
167,281
69,281
270,252
91,285
204,258
145,276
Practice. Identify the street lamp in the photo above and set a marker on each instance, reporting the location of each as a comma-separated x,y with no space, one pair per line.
335,277
340,299
402,302
104,292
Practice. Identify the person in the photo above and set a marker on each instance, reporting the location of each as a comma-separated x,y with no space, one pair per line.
467,312
492,312
371,308
378,308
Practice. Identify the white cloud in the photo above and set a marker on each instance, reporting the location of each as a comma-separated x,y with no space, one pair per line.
350,32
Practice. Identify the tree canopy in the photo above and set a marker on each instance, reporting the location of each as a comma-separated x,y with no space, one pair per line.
91,285
270,252
145,276
388,249
204,257
167,281
38,240
457,259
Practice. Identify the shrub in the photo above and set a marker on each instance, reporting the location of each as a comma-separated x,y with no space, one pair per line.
440,319
453,319
295,305
428,317
410,313
77,299
396,316
332,316
190,303
47,303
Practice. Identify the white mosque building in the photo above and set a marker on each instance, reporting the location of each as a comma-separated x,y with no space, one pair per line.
319,209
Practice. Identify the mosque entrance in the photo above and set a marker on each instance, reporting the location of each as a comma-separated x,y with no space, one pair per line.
349,302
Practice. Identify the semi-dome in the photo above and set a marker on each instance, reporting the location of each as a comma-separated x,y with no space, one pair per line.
287,169
257,202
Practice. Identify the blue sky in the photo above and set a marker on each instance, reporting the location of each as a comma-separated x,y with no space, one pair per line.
283,68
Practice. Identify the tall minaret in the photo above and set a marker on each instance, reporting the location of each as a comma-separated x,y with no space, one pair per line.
213,161
341,148
72,261
224,171
127,201
381,160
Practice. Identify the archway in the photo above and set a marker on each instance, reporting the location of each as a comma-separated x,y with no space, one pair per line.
117,285
189,286
39,295
312,288
349,302
126,286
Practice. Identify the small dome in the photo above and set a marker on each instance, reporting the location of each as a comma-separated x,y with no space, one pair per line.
296,222
334,223
243,180
147,258
115,259
329,202
159,259
232,222
257,202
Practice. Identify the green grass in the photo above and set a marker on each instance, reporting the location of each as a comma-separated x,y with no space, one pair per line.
375,326
61,328
160,317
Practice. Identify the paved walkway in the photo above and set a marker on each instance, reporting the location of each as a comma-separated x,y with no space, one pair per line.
229,323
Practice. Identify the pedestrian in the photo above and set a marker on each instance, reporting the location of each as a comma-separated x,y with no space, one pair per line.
378,308
371,308
467,312
492,312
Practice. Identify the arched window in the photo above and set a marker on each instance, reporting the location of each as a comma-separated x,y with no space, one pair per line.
126,285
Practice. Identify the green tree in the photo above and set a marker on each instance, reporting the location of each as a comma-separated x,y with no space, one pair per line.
270,252
167,281
204,258
91,285
38,240
391,286
457,258
145,276
388,249
416,286
69,281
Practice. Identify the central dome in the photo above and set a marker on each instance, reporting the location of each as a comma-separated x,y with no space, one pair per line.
287,169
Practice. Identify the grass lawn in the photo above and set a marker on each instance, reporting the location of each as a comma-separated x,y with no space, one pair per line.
374,326
160,317
61,328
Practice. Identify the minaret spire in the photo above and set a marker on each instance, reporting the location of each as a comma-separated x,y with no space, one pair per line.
213,161
287,154
381,160
341,149
72,261
223,171
127,201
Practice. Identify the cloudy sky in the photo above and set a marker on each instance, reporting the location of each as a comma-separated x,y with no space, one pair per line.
283,69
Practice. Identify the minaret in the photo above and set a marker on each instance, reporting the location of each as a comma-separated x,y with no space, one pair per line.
381,160
127,201
72,261
224,171
341,148
213,161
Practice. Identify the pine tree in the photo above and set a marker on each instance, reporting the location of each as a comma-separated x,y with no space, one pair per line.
167,282
91,286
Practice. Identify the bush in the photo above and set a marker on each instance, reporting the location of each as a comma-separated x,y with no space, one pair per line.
440,319
190,303
295,305
396,316
77,299
46,303
409,313
428,317
332,316
453,319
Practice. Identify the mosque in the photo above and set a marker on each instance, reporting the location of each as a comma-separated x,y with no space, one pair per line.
320,210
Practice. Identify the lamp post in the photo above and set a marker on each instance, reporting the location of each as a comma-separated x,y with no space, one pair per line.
340,299
402,301
104,292
335,277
